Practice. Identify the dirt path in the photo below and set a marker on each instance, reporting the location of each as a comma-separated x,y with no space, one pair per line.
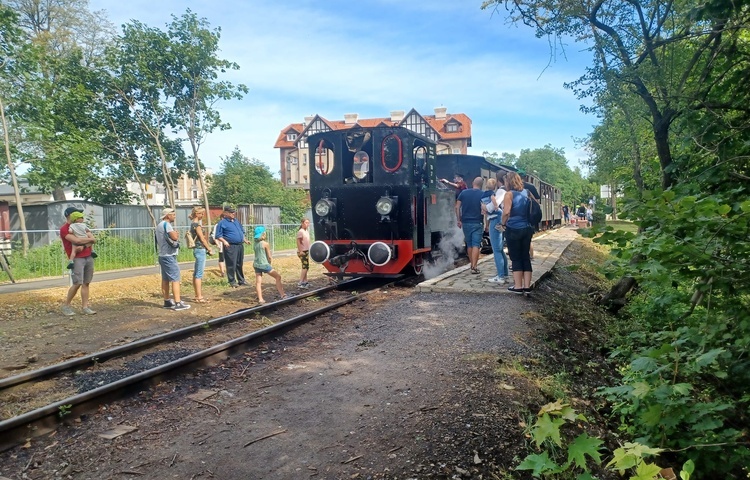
400,385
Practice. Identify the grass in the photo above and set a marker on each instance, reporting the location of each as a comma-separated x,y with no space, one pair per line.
623,225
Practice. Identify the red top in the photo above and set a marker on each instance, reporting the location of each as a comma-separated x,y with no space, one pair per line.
64,231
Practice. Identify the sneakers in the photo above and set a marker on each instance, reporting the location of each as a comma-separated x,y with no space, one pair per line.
498,280
181,306
303,285
169,303
67,310
88,311
518,291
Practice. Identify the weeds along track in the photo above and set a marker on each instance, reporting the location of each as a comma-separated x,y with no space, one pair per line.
36,402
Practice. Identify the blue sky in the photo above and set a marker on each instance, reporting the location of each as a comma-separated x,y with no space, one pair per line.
332,57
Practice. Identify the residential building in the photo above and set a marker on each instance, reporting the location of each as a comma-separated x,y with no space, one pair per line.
452,132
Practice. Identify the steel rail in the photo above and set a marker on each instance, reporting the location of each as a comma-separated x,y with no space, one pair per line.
108,354
44,419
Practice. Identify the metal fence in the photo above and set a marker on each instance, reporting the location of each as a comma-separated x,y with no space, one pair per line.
116,248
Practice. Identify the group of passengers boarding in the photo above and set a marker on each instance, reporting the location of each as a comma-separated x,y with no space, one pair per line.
503,211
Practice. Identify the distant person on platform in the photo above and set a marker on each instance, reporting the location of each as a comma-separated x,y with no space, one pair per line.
469,218
303,251
167,242
566,214
458,183
83,266
231,233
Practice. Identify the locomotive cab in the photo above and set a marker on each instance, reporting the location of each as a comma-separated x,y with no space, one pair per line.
369,189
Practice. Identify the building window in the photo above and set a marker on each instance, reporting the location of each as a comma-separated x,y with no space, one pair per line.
304,159
195,194
456,150
290,137
451,127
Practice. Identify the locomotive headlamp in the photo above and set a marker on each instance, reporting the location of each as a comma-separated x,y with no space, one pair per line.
319,252
385,205
324,207
379,254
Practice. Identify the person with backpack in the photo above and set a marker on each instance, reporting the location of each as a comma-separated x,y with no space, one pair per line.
518,232
534,196
201,248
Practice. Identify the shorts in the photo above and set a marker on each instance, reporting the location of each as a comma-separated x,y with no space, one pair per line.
170,271
83,270
473,234
200,262
305,259
263,270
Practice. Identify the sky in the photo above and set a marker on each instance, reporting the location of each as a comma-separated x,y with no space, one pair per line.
330,57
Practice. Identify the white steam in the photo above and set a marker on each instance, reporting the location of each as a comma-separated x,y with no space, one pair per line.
448,249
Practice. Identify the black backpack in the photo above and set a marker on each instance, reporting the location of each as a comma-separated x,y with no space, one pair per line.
535,211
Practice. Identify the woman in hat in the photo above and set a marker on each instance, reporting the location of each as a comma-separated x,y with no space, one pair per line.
262,263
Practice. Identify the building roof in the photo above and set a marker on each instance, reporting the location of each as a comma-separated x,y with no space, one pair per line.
438,124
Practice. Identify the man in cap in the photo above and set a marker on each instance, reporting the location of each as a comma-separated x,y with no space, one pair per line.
231,234
83,265
167,243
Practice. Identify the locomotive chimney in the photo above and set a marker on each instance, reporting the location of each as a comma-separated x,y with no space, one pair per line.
440,113
397,116
350,118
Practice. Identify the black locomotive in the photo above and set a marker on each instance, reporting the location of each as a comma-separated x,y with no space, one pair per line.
378,205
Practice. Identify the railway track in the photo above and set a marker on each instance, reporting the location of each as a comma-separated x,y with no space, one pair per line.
80,385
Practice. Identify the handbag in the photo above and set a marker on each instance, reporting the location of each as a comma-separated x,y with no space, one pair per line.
168,239
189,240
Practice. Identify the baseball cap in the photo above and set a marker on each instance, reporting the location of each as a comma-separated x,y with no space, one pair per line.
229,209
76,215
259,231
70,210
166,211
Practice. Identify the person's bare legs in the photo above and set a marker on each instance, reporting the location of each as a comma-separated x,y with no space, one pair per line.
198,288
165,290
303,276
72,291
85,295
279,286
517,280
176,291
526,279
258,287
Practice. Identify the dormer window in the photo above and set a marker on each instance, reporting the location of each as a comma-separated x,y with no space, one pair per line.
451,127
290,137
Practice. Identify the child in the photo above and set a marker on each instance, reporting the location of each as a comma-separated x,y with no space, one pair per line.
262,264
80,230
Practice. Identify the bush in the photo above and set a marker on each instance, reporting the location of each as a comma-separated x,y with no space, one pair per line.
600,218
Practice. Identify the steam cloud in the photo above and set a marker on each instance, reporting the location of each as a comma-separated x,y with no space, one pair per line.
449,247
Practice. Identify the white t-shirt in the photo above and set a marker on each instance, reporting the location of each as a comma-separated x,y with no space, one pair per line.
499,196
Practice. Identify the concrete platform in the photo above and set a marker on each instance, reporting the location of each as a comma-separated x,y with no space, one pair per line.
548,247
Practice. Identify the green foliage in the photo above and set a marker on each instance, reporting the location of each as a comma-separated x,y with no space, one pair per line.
684,364
249,181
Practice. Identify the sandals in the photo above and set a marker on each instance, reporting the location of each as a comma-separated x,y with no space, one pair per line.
200,300
475,271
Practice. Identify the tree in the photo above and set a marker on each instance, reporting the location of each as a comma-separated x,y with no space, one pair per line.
249,181
194,85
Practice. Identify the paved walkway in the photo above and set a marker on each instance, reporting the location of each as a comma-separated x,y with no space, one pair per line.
547,250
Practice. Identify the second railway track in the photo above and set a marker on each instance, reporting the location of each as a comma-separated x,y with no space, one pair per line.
73,387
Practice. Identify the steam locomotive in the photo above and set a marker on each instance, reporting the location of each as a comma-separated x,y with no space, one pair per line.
379,208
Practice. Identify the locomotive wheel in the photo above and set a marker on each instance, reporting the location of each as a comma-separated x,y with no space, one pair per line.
417,263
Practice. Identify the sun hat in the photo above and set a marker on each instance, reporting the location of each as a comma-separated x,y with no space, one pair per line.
75,215
259,231
70,210
166,211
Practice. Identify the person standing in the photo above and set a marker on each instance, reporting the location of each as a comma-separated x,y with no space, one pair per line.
566,214
457,184
494,214
469,219
83,265
303,251
518,232
262,264
167,242
220,249
202,248
231,234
